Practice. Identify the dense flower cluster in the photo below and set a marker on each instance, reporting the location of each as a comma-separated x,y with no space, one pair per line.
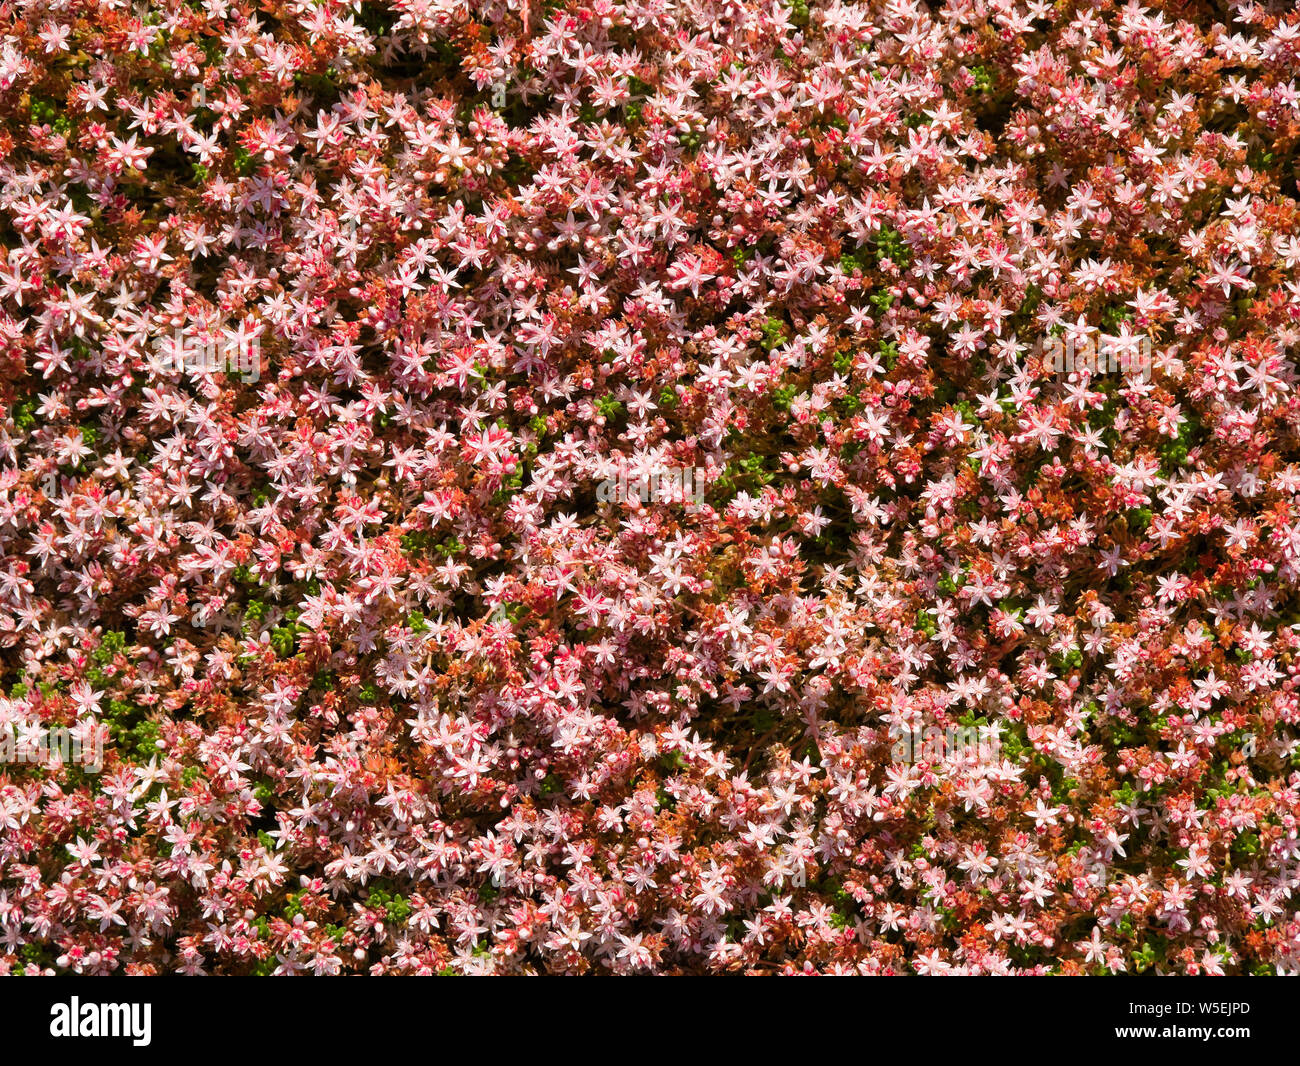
387,679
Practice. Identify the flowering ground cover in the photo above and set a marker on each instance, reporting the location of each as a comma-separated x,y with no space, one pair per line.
668,486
